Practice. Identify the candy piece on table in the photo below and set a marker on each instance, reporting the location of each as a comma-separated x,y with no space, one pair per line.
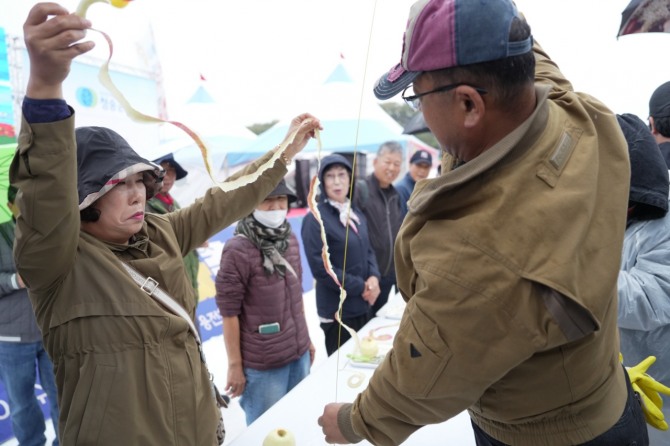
279,437
369,347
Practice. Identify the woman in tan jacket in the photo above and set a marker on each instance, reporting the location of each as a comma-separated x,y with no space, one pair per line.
128,371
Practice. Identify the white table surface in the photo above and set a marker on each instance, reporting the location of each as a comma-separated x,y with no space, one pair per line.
299,410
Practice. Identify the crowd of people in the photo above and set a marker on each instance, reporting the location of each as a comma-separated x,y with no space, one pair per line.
535,265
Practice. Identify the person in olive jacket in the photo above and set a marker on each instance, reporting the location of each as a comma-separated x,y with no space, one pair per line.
128,370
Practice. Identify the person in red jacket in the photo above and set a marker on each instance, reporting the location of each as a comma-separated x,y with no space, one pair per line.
259,295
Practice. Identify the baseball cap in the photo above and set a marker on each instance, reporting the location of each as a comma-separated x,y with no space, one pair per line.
659,103
449,33
421,156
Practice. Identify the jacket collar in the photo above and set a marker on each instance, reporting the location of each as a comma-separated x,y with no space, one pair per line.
523,136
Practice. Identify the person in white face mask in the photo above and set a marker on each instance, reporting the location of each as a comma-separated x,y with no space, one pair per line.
259,295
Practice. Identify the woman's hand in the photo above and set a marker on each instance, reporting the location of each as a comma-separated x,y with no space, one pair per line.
371,292
51,33
305,125
236,381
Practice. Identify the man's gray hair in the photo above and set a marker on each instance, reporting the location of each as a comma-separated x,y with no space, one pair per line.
390,147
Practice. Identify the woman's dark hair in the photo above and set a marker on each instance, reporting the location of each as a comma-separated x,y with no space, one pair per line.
662,126
90,214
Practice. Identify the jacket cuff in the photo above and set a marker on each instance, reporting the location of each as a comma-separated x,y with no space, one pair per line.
15,282
345,425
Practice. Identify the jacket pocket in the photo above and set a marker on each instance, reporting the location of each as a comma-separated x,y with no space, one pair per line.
95,404
421,352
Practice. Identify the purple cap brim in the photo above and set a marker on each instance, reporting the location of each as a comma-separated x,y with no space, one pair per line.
386,89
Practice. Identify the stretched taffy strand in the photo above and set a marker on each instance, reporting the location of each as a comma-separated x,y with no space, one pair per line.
325,256
106,81
385,336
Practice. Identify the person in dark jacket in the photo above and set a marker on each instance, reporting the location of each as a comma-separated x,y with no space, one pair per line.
644,279
163,202
22,352
350,251
259,295
382,207
419,169
659,119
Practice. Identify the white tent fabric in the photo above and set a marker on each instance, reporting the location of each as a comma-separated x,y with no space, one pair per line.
352,120
224,137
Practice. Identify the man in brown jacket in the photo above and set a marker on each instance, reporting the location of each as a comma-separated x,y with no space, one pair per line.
509,260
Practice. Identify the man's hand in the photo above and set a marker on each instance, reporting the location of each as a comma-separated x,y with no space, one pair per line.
328,423
372,290
51,33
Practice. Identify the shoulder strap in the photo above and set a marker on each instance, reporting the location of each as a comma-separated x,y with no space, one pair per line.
150,286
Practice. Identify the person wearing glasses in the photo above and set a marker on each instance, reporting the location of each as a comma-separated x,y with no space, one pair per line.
350,253
509,260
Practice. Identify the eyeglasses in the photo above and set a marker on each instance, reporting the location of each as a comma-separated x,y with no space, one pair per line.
414,101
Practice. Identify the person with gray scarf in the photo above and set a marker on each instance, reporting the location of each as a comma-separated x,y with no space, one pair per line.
259,295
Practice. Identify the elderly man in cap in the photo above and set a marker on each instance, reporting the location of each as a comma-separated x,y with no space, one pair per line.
163,202
659,119
509,260
419,169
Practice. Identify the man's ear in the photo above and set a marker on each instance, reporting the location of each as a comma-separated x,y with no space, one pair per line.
472,105
652,126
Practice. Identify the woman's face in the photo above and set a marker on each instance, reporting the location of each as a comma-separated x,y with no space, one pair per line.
278,203
121,211
336,183
169,178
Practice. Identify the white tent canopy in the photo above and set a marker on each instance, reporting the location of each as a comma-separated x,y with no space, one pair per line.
352,120
224,137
